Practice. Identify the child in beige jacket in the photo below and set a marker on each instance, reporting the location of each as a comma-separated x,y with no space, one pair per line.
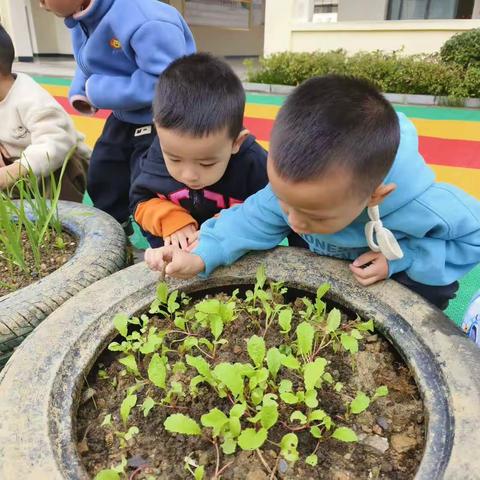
35,131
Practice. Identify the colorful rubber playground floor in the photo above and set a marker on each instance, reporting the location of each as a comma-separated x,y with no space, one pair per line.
449,140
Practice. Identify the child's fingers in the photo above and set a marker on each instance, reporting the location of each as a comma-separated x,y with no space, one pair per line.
365,282
192,246
182,240
193,237
167,241
365,258
175,267
365,273
153,259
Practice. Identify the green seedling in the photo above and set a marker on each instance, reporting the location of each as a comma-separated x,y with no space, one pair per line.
33,215
276,387
112,473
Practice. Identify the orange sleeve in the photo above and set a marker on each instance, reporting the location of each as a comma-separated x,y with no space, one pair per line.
161,217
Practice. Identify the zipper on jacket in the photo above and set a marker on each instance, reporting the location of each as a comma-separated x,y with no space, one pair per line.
80,50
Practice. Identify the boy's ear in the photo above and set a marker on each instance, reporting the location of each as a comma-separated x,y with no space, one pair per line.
381,193
242,136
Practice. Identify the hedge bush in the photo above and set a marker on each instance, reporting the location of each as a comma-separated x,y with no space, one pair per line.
463,49
391,72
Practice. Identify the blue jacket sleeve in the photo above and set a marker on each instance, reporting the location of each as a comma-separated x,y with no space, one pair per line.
451,246
257,224
78,84
153,54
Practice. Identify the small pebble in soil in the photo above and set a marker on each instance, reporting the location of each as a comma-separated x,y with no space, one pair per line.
372,338
257,475
237,349
282,466
109,438
402,443
136,461
386,467
340,475
378,430
383,423
272,454
88,394
380,444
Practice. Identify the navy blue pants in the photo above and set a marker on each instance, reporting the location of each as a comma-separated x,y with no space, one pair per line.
114,162
438,296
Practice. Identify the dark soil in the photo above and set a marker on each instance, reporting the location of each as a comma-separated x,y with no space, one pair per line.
391,432
12,278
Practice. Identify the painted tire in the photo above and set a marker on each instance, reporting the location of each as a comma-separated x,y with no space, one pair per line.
101,251
42,383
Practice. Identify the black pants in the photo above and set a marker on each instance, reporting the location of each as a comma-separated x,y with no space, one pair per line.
438,296
114,162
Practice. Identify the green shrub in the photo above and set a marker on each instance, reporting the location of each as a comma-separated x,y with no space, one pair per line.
463,49
470,87
391,72
292,69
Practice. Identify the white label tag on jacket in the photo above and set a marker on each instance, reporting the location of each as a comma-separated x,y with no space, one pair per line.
147,130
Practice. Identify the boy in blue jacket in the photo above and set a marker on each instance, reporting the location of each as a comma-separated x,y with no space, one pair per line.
121,47
339,157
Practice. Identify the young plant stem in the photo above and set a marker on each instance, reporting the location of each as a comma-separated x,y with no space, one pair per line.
137,471
224,468
183,333
205,353
272,475
217,466
295,429
265,464
316,448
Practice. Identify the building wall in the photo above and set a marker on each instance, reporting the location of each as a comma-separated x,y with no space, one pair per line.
14,17
229,42
51,33
52,37
476,9
362,10
287,29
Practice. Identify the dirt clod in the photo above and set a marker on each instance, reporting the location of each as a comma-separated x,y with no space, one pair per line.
402,443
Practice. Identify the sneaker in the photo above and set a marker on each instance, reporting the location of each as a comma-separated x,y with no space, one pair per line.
127,227
471,321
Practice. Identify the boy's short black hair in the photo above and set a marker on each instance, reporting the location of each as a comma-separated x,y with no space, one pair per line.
7,52
335,122
199,94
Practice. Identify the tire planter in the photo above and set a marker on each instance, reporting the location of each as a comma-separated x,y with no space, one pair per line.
39,391
101,251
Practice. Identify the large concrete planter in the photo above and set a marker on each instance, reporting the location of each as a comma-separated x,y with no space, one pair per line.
100,252
39,389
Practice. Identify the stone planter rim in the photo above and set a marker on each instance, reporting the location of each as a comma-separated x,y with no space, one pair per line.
444,362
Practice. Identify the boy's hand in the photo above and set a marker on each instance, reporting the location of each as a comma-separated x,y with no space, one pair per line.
194,241
370,268
182,238
175,262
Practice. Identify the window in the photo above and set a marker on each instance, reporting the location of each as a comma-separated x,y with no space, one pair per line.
326,6
429,9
